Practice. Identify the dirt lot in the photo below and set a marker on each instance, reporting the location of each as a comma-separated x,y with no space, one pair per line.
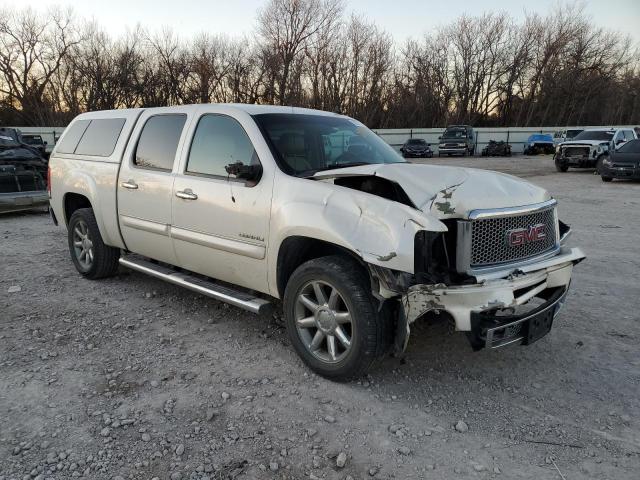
133,378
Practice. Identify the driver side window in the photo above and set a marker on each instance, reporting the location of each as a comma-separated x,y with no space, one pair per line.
219,141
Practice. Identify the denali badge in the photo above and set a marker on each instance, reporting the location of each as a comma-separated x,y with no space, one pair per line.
522,236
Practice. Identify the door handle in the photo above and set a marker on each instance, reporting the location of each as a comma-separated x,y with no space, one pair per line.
130,184
186,194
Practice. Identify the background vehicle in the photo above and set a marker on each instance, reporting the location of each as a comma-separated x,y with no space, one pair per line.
36,142
416,148
590,147
539,143
457,140
315,209
22,177
565,135
497,149
623,162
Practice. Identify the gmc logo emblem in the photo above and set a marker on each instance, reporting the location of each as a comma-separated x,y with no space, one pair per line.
522,236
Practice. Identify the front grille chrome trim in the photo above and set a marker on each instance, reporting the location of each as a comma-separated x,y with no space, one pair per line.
465,251
511,211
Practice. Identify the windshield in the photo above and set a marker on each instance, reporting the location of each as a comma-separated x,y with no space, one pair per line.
632,146
573,133
603,135
416,141
306,144
6,141
31,140
455,133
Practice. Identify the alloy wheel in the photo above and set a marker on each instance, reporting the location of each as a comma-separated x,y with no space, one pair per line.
323,321
82,245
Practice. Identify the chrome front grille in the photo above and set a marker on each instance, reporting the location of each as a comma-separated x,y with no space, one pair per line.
492,238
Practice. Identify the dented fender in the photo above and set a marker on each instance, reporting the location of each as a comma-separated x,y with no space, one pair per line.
380,231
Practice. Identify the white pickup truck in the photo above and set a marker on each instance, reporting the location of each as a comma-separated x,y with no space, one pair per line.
248,204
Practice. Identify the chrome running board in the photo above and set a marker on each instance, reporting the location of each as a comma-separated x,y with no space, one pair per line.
205,287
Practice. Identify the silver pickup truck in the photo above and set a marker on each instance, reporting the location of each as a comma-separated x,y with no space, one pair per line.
248,204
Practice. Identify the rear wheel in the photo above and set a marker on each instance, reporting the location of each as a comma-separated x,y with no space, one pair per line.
91,257
606,179
332,318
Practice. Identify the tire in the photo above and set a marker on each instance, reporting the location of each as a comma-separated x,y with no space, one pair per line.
606,179
99,260
599,163
369,330
561,167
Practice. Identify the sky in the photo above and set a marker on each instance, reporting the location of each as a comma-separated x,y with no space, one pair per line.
401,18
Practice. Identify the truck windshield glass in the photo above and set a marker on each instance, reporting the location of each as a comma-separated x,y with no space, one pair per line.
455,133
594,135
306,144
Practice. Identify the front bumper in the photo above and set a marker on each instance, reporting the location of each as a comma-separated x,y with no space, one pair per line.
621,170
496,294
453,150
18,201
583,161
423,154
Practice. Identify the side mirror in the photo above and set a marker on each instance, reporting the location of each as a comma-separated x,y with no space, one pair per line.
45,143
439,138
244,172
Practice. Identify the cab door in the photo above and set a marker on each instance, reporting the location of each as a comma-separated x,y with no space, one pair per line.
145,183
221,201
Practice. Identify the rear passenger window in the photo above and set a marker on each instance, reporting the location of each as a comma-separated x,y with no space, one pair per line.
72,136
159,141
101,137
219,141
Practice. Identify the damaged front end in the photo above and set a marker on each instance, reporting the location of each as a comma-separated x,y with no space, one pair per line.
501,276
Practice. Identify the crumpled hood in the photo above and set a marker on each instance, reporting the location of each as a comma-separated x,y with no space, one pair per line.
450,192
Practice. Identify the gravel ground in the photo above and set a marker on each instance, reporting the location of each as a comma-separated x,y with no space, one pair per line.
132,378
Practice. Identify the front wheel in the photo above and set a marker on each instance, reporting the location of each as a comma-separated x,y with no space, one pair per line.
561,166
606,179
332,318
91,257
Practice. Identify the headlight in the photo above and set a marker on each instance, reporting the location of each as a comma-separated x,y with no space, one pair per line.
531,144
606,161
442,145
462,144
599,149
557,148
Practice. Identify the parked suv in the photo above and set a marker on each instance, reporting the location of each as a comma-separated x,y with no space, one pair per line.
589,148
314,209
457,140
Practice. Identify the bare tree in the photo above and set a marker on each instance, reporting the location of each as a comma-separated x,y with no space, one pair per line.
32,48
287,27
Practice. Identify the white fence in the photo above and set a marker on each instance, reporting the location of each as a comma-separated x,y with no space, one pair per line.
516,136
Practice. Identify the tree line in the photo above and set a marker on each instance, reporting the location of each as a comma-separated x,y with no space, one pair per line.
489,70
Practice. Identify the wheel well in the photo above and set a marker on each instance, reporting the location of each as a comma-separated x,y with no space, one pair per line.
72,202
294,251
